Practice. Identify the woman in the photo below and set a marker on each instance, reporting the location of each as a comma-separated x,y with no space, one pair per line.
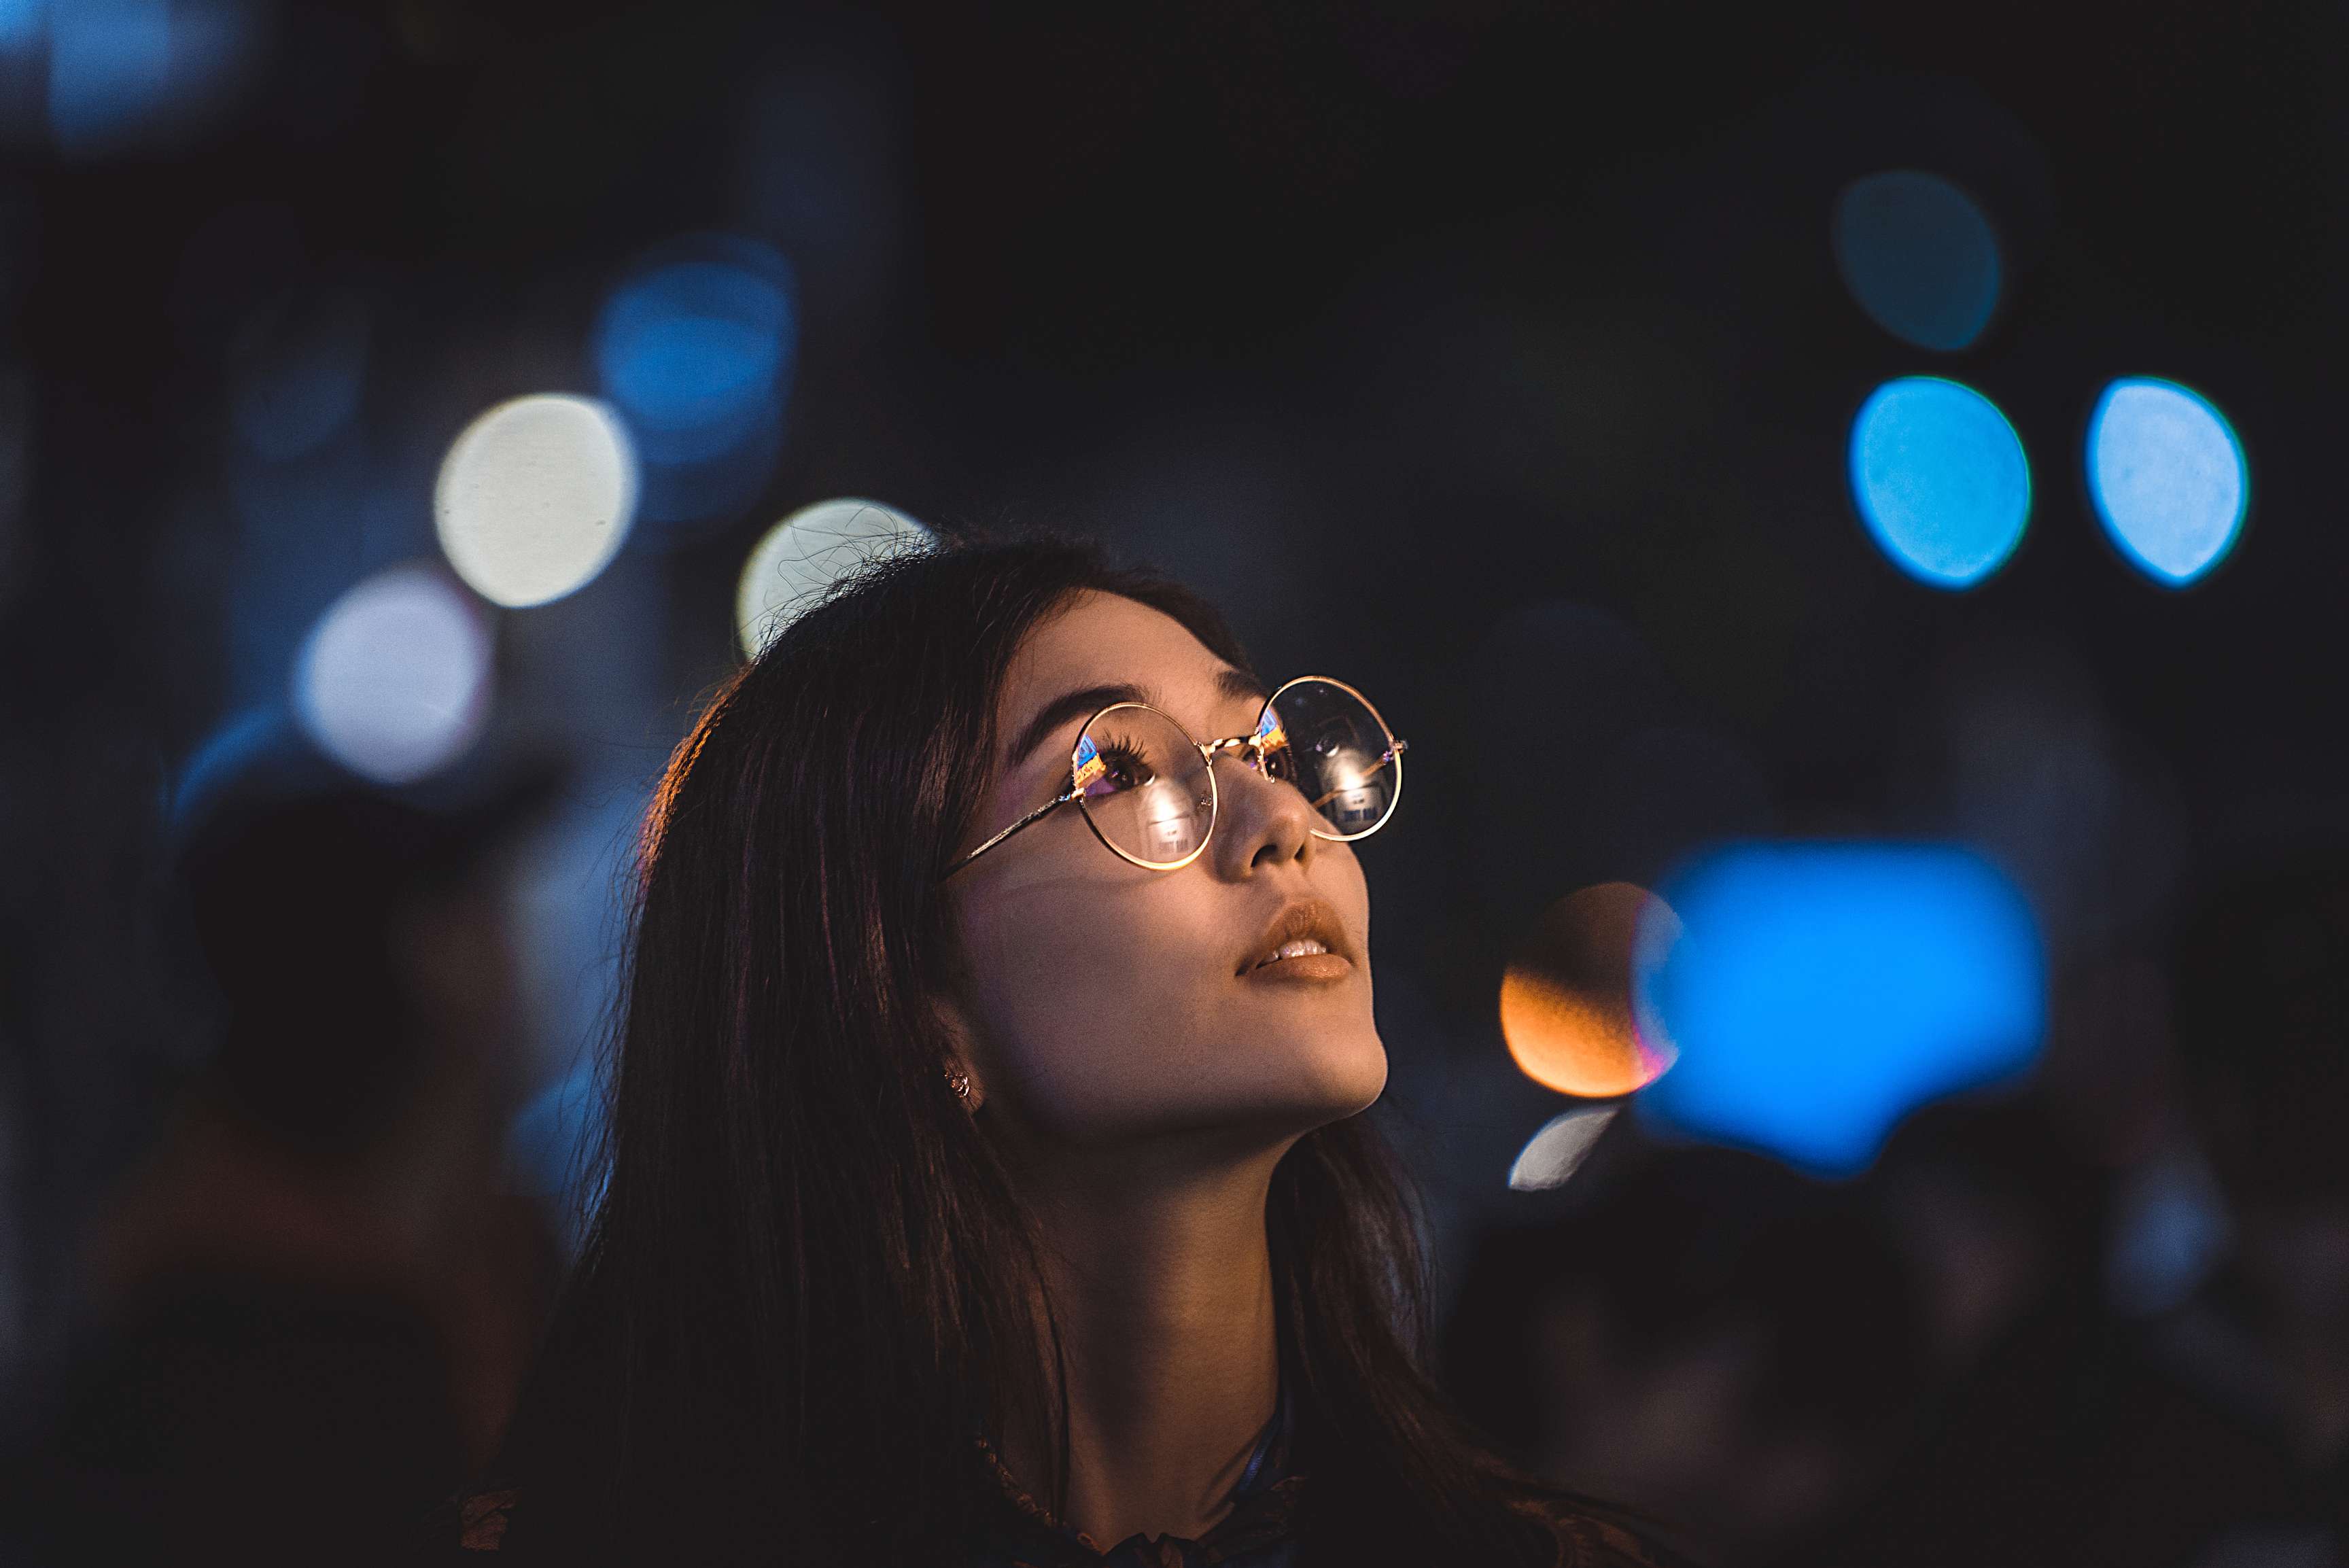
986,1178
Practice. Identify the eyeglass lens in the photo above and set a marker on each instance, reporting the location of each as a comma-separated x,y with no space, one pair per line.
1150,795
1321,738
1143,786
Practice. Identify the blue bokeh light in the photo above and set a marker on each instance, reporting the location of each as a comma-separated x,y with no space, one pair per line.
2168,476
110,66
1821,992
233,746
1941,479
125,72
297,371
21,23
1918,256
695,349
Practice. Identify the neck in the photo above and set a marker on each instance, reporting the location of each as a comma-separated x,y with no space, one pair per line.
1161,1284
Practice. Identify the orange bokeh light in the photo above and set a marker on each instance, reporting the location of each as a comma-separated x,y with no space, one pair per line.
1566,1008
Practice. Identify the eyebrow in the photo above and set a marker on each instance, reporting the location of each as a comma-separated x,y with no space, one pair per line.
1233,684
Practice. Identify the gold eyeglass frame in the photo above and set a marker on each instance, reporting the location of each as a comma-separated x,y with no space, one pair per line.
1251,749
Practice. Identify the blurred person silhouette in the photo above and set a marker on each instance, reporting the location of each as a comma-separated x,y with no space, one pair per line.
2262,1348
2200,1419
1706,1336
309,1306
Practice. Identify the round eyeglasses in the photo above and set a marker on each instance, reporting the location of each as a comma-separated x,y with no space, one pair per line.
1148,789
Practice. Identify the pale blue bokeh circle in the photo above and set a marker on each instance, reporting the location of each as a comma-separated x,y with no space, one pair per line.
2168,476
1941,479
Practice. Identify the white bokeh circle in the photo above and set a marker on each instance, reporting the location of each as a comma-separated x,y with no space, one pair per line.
394,680
536,497
802,556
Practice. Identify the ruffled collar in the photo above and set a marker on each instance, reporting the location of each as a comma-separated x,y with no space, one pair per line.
1262,1514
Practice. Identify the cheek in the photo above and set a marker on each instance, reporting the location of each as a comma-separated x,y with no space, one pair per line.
1103,1008
1086,1006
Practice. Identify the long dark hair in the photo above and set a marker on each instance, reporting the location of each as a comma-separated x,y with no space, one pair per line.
808,1282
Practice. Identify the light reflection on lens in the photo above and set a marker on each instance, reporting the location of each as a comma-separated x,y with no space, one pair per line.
1322,737
1143,786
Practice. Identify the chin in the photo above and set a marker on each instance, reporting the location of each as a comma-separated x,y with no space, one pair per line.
1332,1077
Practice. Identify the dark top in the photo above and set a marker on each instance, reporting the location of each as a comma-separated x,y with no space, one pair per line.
1261,1530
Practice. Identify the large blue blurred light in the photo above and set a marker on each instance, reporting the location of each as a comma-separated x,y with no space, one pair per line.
1918,256
2168,476
110,66
1939,478
1823,991
696,348
20,24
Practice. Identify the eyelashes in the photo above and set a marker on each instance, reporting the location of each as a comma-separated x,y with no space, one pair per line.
1127,760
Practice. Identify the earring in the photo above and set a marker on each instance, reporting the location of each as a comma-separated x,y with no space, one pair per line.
959,1081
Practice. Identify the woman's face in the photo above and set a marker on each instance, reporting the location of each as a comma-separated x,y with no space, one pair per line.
1104,1002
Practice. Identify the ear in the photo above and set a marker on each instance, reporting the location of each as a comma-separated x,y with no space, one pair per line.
962,1060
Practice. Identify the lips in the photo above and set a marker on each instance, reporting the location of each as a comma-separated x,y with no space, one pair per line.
1305,934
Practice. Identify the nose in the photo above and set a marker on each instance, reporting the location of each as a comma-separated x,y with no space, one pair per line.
1262,821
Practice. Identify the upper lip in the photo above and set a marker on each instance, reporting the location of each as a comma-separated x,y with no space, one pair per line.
1295,921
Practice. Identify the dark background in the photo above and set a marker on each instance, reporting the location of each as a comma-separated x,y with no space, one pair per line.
1490,355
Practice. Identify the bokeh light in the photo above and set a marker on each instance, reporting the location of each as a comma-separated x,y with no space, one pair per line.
1566,1003
695,349
803,555
1820,992
222,757
1941,479
1552,1156
394,680
535,498
1918,256
297,369
123,71
2168,476
109,65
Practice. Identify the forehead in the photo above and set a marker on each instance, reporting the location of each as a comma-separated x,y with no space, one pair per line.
1100,639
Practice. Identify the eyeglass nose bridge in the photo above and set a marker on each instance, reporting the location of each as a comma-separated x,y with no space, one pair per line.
1250,747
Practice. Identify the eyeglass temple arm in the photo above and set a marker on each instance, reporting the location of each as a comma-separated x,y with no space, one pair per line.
1029,821
1400,746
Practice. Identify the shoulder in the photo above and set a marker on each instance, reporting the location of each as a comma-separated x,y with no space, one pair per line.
1595,1535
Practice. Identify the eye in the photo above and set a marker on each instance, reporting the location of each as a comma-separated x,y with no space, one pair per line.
1124,765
